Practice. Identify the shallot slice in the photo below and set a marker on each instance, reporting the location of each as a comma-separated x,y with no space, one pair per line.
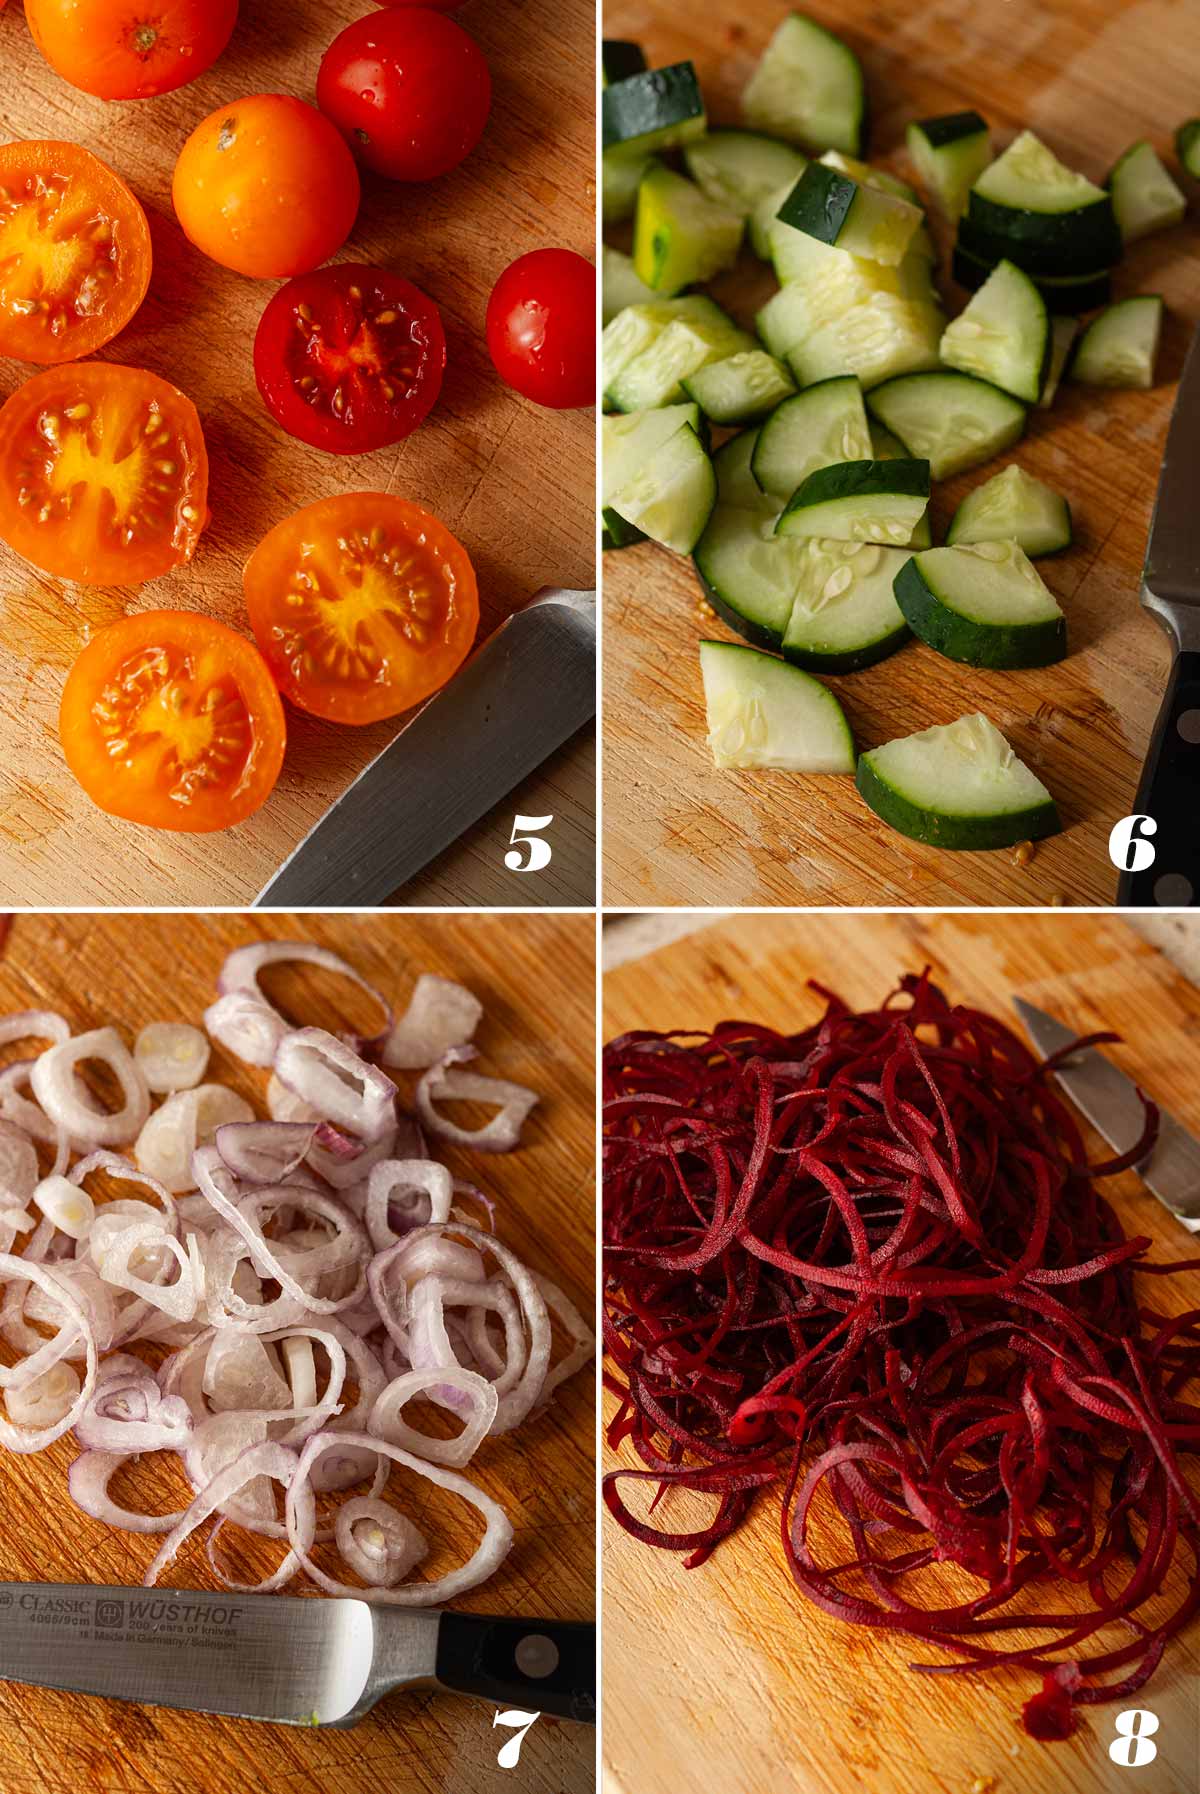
130,1413
34,1024
19,1172
44,1400
415,1190
241,969
68,1103
186,1121
343,1087
179,1299
264,1151
246,1026
513,1101
172,1055
440,1015
583,1347
87,1483
301,1519
28,1115
63,1202
377,1543
387,1420
76,1323
264,1459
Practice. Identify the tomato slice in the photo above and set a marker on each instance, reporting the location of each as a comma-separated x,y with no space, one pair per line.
74,252
170,719
363,605
350,358
103,474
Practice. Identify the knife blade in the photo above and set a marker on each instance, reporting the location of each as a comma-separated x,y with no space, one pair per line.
1109,1099
286,1659
530,686
1171,593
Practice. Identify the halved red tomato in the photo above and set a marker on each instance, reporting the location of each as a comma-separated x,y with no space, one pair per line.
363,605
74,252
170,719
103,474
350,358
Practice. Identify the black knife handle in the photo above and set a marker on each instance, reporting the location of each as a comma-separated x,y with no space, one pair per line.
1169,791
544,1665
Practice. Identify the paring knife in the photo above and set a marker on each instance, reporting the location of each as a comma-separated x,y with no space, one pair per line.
1171,592
530,686
315,1661
1111,1103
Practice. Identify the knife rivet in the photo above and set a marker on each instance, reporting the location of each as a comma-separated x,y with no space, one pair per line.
536,1655
1173,891
1189,726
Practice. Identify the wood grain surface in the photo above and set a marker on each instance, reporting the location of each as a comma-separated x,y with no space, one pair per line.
513,481
1090,76
130,970
724,1677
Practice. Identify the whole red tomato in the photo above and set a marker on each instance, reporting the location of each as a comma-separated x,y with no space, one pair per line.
408,89
541,328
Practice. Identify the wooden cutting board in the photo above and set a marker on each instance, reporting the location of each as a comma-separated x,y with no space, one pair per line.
131,970
1090,76
513,481
724,1677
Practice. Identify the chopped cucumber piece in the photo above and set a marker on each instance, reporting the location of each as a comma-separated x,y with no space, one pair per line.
1063,332
740,389
621,286
824,424
1119,347
764,713
680,238
876,341
672,496
949,154
1144,196
835,209
616,533
833,279
686,345
1013,507
985,606
952,420
736,484
866,176
739,169
1061,293
751,576
1003,335
959,786
656,110
619,59
845,616
808,89
629,441
886,447
638,326
859,501
765,214
620,177
1187,147
1036,207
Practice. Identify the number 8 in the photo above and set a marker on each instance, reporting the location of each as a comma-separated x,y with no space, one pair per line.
1132,1747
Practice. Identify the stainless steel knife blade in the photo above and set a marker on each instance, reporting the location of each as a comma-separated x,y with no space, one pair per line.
1171,578
530,686
1109,1099
294,1661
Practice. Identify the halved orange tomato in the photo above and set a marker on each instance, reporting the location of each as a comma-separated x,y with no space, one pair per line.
169,718
74,252
363,604
103,474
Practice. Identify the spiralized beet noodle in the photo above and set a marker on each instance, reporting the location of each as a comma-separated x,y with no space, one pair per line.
869,1266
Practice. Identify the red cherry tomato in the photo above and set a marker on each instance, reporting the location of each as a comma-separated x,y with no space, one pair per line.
409,90
350,358
541,328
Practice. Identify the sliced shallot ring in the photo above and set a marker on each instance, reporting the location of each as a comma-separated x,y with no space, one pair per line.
387,1420
245,1024
66,1102
440,1015
179,1299
415,1177
241,969
123,1171
380,1544
264,1152
187,1121
27,1114
87,1483
36,1439
267,1459
172,1055
344,1088
19,1171
211,1173
34,1024
300,1511
583,1348
514,1101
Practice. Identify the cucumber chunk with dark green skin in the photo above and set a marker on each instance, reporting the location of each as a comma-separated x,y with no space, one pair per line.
750,575
953,419
1187,147
1003,335
859,501
763,713
1013,507
739,169
1035,207
1061,294
808,89
838,210
950,153
680,237
619,58
983,606
657,109
845,616
1145,198
959,786
819,427
671,498
1119,347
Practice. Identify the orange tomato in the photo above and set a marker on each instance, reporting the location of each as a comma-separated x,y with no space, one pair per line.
74,252
103,474
170,719
267,187
363,604
130,49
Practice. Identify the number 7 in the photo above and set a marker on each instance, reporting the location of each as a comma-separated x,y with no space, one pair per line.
509,1754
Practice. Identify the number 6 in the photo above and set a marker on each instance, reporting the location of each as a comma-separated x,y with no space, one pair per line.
524,834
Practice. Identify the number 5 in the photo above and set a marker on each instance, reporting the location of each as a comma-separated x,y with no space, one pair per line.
524,834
